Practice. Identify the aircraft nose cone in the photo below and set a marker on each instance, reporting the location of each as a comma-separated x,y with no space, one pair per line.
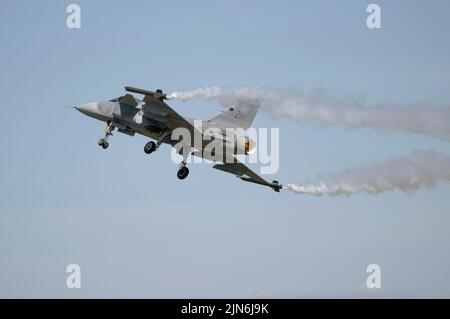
88,108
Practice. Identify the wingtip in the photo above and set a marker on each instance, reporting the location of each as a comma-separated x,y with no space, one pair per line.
276,186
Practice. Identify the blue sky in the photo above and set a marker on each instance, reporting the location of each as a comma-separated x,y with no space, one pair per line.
135,229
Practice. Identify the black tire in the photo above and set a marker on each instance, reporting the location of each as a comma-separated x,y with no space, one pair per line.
183,172
105,145
150,147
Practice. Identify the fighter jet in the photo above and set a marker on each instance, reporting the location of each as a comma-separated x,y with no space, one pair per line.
154,118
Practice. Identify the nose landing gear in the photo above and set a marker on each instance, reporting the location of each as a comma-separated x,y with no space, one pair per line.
103,142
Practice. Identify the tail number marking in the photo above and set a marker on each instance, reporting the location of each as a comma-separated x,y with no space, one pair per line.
241,115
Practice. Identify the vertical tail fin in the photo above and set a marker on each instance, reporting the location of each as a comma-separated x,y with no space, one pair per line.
240,116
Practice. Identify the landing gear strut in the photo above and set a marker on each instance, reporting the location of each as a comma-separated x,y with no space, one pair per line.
183,171
103,142
151,146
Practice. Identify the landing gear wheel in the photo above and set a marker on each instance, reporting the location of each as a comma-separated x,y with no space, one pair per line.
101,142
183,172
104,144
150,147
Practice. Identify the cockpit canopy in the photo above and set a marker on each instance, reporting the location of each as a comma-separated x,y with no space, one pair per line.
120,97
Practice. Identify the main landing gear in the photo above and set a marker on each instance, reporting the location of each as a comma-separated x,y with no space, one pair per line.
103,142
183,172
150,147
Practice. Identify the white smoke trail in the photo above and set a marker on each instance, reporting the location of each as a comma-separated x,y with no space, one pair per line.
419,118
422,169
